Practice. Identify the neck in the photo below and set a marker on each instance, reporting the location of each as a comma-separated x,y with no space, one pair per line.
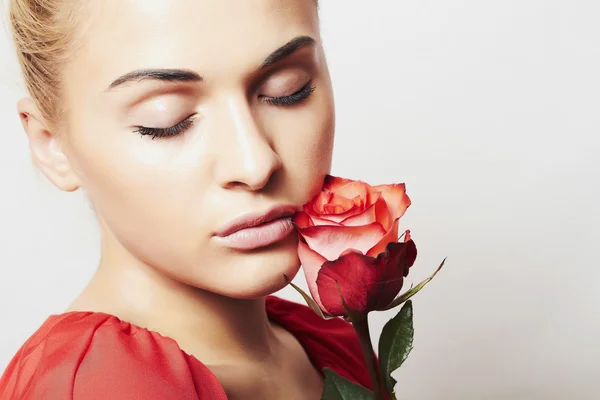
212,327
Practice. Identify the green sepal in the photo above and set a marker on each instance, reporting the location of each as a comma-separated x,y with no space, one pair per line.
309,300
411,292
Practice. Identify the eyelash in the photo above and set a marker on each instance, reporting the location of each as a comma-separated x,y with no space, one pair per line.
291,99
167,132
187,123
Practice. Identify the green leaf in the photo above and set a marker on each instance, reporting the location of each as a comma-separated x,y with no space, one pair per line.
411,292
309,300
339,388
395,344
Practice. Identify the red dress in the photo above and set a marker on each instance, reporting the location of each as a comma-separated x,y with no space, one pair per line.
96,356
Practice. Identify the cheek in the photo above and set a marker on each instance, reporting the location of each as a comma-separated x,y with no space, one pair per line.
153,213
142,189
134,201
307,146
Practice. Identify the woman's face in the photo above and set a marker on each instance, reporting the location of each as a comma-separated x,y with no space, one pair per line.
242,90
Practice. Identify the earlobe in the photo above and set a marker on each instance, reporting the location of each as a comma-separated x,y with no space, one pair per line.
46,149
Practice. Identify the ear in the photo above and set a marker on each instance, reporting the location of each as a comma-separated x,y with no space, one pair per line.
46,149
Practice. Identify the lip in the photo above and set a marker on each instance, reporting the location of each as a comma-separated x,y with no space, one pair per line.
250,220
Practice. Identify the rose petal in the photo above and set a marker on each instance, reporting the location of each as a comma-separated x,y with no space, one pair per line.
383,214
316,206
302,220
331,241
396,198
343,204
333,182
349,198
366,283
311,264
368,216
358,208
352,190
372,196
340,217
332,204
318,221
390,236
348,251
316,217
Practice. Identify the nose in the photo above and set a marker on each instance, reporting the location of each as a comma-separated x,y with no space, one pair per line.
247,159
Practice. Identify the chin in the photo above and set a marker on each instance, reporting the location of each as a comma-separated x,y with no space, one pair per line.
259,273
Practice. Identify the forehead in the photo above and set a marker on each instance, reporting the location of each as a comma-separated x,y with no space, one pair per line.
211,37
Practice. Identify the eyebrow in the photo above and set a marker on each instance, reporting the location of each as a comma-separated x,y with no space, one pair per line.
165,75
287,50
183,75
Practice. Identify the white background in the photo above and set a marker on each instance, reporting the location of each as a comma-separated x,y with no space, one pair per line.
489,111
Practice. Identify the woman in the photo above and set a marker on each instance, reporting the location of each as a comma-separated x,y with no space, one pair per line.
196,128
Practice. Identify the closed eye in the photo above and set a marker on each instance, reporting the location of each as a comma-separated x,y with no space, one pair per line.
291,99
174,130
188,122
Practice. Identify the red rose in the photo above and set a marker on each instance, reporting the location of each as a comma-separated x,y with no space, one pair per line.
349,235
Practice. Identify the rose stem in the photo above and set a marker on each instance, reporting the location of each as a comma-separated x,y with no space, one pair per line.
361,326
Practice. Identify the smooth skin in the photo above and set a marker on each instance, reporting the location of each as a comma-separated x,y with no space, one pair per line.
160,201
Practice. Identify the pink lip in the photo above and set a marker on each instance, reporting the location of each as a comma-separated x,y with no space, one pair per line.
251,230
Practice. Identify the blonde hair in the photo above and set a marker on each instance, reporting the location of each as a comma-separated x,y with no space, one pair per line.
44,34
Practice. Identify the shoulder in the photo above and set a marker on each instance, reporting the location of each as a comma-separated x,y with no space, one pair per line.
87,355
329,343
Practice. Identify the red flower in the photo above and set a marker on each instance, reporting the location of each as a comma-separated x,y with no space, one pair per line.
349,235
